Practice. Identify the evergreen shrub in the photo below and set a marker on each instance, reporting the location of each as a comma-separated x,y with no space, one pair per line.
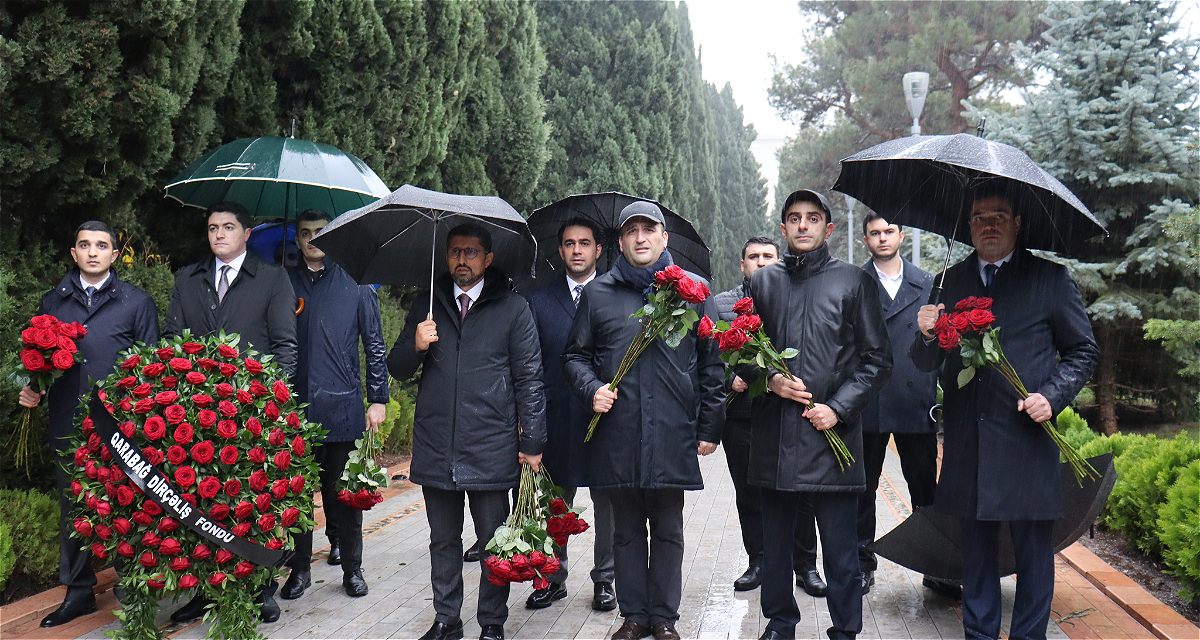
8,559
1147,470
1179,530
1074,429
32,518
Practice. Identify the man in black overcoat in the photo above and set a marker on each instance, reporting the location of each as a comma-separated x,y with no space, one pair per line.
116,315
829,310
667,409
902,410
337,314
998,464
567,418
238,292
759,252
480,413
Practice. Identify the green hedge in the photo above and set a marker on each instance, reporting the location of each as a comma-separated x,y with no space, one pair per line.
8,559
1179,530
32,519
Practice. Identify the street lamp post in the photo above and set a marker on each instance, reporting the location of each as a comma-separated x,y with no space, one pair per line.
916,87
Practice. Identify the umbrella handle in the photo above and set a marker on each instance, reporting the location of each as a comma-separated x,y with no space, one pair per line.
938,293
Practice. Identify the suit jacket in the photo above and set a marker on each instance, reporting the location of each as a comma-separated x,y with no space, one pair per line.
903,404
566,417
260,306
997,463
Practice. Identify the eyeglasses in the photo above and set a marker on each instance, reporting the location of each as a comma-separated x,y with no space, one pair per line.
992,220
470,252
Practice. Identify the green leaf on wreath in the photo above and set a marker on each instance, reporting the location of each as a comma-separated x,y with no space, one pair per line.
965,376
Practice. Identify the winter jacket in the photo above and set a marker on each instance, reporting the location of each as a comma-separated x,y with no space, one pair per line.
668,402
828,310
480,398
338,313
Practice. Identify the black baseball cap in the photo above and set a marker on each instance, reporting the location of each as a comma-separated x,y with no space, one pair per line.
804,195
642,209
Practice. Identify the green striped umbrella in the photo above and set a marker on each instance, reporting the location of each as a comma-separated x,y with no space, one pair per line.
278,178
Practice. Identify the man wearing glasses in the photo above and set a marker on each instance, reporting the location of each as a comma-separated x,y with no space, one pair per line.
480,413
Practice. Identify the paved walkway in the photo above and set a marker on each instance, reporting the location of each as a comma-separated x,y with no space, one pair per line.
400,601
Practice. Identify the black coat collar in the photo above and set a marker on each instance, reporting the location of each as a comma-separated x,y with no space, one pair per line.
808,263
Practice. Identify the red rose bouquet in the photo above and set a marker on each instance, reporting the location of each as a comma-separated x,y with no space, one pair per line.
362,478
204,463
666,314
969,329
522,548
743,341
47,350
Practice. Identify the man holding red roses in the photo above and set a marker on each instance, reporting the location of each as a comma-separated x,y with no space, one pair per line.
998,465
830,312
670,406
115,314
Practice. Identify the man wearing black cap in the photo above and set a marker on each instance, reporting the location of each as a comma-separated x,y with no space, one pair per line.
829,310
669,408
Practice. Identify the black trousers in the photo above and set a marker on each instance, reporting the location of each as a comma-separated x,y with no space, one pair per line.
343,523
649,571
736,440
601,520
1034,546
918,461
74,557
836,515
444,509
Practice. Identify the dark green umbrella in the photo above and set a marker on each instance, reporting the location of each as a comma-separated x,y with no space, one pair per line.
278,178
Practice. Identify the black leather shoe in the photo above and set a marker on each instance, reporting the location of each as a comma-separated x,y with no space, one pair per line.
868,581
771,634
443,631
270,610
73,606
297,582
192,610
944,588
354,584
631,631
492,632
605,599
664,631
541,598
749,580
472,554
335,553
812,583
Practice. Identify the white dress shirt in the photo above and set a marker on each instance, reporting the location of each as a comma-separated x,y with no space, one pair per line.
890,284
235,266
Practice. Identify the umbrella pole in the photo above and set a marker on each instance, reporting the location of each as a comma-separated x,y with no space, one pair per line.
432,262
938,293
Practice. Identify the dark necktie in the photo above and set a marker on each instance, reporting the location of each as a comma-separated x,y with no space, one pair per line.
90,291
575,293
464,303
223,283
989,273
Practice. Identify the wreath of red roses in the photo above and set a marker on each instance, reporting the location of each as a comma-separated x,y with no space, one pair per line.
229,434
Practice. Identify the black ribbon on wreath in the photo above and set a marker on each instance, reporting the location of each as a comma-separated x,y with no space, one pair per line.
155,484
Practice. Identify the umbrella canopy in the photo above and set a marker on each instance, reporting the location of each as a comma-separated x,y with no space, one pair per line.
604,209
272,239
928,541
278,178
926,182
390,241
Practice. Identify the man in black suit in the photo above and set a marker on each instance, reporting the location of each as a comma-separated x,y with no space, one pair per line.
901,412
116,314
238,292
566,418
998,464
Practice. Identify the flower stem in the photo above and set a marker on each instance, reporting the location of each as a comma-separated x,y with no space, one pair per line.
1079,465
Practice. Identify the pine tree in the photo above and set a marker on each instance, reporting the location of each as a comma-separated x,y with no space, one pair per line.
1114,126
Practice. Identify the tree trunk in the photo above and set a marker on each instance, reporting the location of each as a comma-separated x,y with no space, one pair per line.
1106,382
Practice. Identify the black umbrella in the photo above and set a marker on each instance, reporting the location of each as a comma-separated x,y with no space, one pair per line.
688,249
400,238
928,541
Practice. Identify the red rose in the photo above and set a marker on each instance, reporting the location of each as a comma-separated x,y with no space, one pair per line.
262,502
558,506
118,476
227,429
127,382
971,302
125,550
941,323
166,397
170,547
290,516
274,543
282,460
167,525
243,510
297,484
148,559
257,389
949,338
195,377
192,348
151,539
244,397
208,487
674,273
188,581
206,418
158,581
229,454
223,556
125,404
705,328
29,336
151,507
180,364
281,391
93,442
143,406
180,564
83,527
298,446
185,477
253,366
131,362
345,497
62,360
124,495
233,486
732,340
169,381
293,420
271,410
227,408
142,518
744,306
980,319
224,389
208,364
165,353
691,291
552,565
46,338
154,369
122,526
128,428
76,488
32,359
183,434
227,351
243,569
217,579
241,529
540,583
266,522
959,322
254,426
99,550
561,541
554,527
257,455
201,552
176,454
227,369
748,323
279,488
154,428
259,480
219,511
202,401
175,413
277,437
202,452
